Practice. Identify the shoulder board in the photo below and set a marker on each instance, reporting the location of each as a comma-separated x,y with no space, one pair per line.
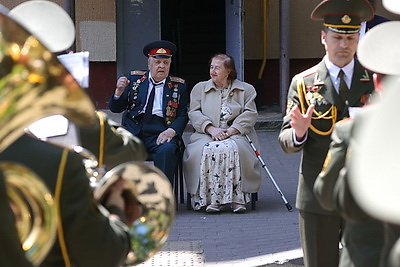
177,80
307,72
137,72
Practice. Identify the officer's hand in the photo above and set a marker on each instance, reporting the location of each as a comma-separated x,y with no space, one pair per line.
166,136
121,84
301,122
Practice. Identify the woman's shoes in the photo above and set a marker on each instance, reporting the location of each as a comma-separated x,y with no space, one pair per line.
213,208
238,208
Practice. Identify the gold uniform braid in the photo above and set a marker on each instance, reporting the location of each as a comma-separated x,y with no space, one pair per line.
330,114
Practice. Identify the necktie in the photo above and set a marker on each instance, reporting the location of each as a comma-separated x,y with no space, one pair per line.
343,90
150,102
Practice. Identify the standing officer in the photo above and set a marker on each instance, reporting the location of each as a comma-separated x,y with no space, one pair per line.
155,106
317,99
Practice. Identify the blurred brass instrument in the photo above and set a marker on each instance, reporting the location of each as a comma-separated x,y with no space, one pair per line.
34,210
149,202
33,85
149,206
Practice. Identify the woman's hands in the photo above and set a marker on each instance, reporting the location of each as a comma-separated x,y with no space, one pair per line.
219,134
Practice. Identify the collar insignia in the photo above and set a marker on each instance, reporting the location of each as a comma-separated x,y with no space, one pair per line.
317,81
365,77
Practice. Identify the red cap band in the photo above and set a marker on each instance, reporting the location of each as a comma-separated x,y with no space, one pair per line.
160,52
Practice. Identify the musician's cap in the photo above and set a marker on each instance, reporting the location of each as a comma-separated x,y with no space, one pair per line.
343,16
379,49
392,6
374,181
159,49
48,22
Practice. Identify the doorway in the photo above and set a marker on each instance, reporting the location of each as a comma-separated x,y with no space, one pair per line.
197,27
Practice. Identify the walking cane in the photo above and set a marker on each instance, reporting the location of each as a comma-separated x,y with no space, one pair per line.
269,174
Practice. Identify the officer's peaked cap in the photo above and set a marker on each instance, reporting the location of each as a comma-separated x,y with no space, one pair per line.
343,16
160,49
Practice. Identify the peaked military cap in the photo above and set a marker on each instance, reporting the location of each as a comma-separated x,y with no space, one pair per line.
159,49
48,22
343,16
392,5
379,49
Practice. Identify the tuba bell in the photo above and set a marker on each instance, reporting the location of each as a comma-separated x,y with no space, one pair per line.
33,85
34,209
149,206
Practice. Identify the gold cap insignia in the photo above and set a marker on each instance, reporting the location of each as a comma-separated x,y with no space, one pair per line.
161,51
346,19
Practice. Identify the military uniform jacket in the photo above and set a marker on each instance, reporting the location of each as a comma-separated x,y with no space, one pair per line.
90,238
111,143
331,187
362,236
315,86
134,98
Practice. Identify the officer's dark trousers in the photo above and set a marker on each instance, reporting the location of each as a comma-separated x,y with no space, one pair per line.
163,155
320,237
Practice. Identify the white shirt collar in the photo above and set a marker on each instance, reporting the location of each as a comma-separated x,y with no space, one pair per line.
334,71
163,81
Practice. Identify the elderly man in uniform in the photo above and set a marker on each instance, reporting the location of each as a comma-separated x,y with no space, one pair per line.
155,106
317,99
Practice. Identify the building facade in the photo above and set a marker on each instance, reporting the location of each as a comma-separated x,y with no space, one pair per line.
114,33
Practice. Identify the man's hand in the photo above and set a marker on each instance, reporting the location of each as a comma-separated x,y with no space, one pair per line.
166,136
121,84
301,122
115,197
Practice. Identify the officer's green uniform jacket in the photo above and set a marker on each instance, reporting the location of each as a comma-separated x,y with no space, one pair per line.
362,236
90,237
329,108
111,143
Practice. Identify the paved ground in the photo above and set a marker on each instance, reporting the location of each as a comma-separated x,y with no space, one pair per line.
264,236
267,236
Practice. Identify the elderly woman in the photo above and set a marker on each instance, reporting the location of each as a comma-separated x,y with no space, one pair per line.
220,166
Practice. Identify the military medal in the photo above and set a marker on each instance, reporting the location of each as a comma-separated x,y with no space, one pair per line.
135,91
